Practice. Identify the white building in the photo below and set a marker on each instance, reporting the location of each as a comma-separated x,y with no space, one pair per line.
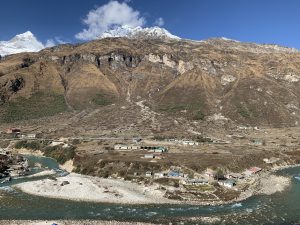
189,143
123,147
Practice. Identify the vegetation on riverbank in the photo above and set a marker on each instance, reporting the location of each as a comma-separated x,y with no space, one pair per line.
60,153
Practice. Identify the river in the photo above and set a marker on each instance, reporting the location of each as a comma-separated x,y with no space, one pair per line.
280,208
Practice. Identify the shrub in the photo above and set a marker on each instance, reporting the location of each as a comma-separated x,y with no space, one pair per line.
33,145
199,115
102,100
37,106
61,155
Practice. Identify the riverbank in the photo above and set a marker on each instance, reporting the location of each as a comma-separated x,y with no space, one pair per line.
86,188
266,183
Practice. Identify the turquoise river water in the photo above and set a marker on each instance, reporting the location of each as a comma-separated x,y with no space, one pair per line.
280,208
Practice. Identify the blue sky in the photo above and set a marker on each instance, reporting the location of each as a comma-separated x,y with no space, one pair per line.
261,21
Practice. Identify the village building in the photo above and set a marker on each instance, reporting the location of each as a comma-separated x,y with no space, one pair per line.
31,136
56,143
135,174
123,147
159,175
149,174
252,170
227,183
257,142
195,181
175,174
235,176
210,173
159,150
13,131
136,140
154,148
189,143
271,160
150,156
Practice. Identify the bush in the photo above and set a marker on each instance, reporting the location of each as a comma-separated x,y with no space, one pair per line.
20,144
37,106
61,155
33,145
198,115
102,100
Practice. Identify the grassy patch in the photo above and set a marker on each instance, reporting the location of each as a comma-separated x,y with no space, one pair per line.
33,145
200,188
193,110
244,113
37,106
102,99
174,108
198,115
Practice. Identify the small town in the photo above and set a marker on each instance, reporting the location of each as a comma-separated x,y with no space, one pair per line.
150,157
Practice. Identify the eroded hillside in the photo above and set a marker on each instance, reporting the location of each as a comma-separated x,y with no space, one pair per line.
213,80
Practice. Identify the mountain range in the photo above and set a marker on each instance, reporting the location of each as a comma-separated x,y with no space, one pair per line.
27,42
156,84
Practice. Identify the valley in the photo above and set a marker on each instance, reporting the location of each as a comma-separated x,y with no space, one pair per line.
154,120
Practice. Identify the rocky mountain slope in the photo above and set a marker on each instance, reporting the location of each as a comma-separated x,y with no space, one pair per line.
212,81
25,42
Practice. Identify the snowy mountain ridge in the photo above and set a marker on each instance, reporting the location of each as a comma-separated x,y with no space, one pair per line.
138,32
25,42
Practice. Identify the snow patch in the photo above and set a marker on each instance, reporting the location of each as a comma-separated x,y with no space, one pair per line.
138,32
25,42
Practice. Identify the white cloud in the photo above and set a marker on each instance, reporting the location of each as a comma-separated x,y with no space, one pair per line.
159,22
107,16
50,43
54,41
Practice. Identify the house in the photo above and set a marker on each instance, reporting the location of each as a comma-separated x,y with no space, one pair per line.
271,160
66,145
136,140
56,143
31,136
159,175
175,174
160,149
235,176
149,174
123,147
210,173
252,170
188,142
13,131
227,183
257,142
135,174
149,156
195,181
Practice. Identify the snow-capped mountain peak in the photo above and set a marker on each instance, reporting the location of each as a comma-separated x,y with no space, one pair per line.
138,32
25,42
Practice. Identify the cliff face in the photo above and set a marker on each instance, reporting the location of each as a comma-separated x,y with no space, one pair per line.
216,79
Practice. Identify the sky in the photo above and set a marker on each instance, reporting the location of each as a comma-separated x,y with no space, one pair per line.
60,21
